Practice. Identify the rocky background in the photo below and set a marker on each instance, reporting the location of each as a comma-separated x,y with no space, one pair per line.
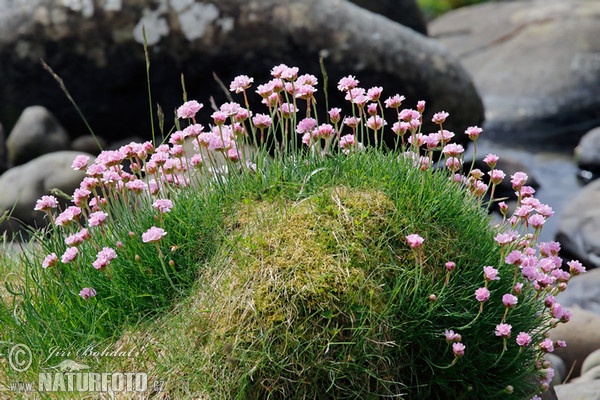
528,71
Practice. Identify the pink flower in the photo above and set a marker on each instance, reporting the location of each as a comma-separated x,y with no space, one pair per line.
50,260
69,255
490,273
518,288
374,93
153,235
240,83
518,180
575,267
473,132
450,266
46,203
104,257
262,121
136,185
352,122
66,217
325,131
506,238
503,330
496,176
347,83
491,160
547,345
421,106
523,339
335,115
306,125
163,205
415,241
86,293
80,163
77,238
453,150
560,343
509,300
482,294
458,349
375,122
515,257
189,109
347,141
451,336
97,218
395,101
439,117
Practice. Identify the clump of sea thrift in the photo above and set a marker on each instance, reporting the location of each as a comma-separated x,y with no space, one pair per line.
157,171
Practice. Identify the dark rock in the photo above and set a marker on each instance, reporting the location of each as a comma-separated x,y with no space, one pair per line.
579,226
22,186
3,151
535,63
89,144
36,132
97,50
405,12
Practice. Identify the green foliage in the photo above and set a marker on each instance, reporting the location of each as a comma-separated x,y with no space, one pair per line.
434,8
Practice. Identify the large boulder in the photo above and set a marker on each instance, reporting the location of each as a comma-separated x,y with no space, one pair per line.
36,132
22,186
96,48
536,64
587,155
405,12
579,226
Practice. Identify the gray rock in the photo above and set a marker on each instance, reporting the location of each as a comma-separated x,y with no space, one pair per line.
581,335
405,12
89,144
587,155
578,228
560,369
583,291
579,391
36,132
535,63
3,151
591,362
96,48
22,186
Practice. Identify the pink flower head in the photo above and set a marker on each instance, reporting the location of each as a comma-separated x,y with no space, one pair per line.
262,121
503,330
421,106
547,345
450,266
104,257
69,255
491,160
490,273
240,83
473,132
287,110
506,237
46,203
347,141
219,117
575,267
189,109
415,241
482,294
518,180
80,163
325,131
458,349
496,176
163,205
374,93
77,238
153,235
97,218
347,83
136,185
375,122
523,339
306,125
394,102
509,300
451,336
86,293
66,217
515,257
50,260
335,115
439,117
453,149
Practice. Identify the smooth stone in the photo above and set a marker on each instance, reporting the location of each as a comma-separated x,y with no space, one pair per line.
591,361
583,291
587,155
536,64
22,186
89,144
579,391
578,228
560,369
581,335
36,132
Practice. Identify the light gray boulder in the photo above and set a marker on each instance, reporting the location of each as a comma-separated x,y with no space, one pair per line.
22,186
587,155
36,132
536,64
